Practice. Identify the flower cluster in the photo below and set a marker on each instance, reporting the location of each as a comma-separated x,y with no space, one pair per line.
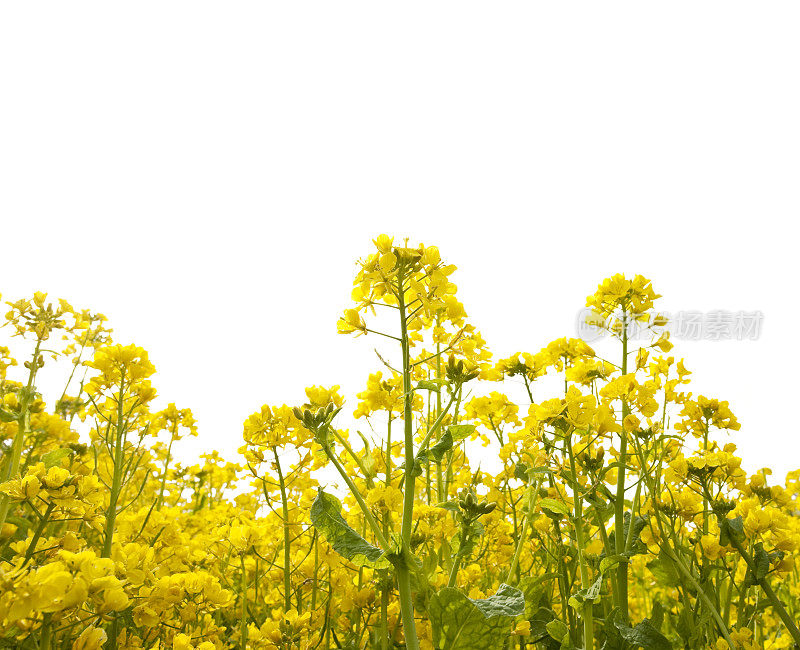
606,507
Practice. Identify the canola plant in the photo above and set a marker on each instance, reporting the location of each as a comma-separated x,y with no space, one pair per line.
618,515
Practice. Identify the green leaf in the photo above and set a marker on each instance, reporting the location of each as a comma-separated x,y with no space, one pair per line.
437,452
539,618
604,509
665,570
657,616
367,459
685,626
536,593
428,385
6,416
590,594
593,592
557,630
637,547
451,506
430,563
556,507
461,623
610,561
761,561
731,529
327,519
54,458
460,431
644,635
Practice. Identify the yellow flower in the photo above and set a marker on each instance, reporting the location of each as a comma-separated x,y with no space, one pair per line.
522,628
92,638
182,642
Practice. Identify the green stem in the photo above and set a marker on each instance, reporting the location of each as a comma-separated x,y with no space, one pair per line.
587,614
457,561
441,497
350,451
116,482
389,451
403,575
287,555
243,620
166,467
23,428
373,524
619,500
675,557
39,530
777,605
531,497
407,607
46,632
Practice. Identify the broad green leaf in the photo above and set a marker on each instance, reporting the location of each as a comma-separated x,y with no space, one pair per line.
657,617
557,507
527,474
761,560
731,529
637,547
644,635
611,561
7,416
557,630
590,594
327,519
603,508
428,385
460,623
437,452
539,617
593,592
535,592
665,571
451,506
460,431
54,458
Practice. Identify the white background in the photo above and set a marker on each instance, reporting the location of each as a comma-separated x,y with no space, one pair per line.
206,174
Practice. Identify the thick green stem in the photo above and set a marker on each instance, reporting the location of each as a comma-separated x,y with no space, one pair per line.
403,575
451,582
373,524
116,481
407,607
23,428
389,452
166,468
243,619
531,496
619,500
287,555
46,632
587,614
39,530
385,615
